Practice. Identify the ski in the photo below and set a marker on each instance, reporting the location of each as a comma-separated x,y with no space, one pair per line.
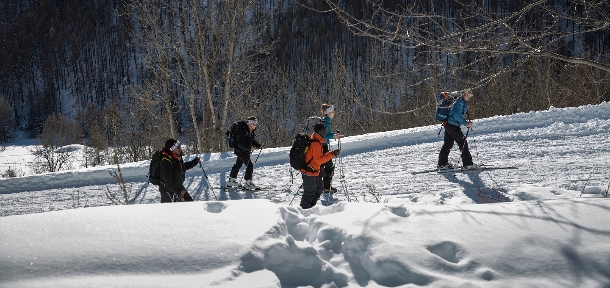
241,188
460,169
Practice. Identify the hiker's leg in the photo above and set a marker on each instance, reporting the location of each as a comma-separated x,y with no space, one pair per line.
460,140
443,156
237,166
329,171
319,190
309,191
249,167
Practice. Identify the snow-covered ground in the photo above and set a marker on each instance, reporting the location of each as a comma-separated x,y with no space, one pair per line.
429,229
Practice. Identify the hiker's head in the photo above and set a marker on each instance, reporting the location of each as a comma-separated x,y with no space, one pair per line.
320,129
173,146
328,110
252,123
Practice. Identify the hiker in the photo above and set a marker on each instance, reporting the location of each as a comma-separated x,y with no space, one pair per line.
313,184
173,171
329,167
453,133
245,144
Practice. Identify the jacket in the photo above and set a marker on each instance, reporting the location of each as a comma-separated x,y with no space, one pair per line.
173,172
315,156
245,139
329,133
457,113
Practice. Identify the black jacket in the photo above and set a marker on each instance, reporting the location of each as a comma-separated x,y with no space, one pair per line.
245,139
173,172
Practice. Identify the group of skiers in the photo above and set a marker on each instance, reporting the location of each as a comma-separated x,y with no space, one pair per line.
317,179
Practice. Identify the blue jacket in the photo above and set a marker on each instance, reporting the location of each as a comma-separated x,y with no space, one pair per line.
457,113
329,133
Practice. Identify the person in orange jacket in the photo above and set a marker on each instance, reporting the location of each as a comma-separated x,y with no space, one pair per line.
313,183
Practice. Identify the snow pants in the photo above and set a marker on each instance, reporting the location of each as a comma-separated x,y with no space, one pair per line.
243,158
329,169
313,186
454,134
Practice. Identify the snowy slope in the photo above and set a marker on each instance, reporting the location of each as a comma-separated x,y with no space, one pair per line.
559,150
429,230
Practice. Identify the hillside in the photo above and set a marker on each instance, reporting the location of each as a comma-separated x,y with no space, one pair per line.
429,231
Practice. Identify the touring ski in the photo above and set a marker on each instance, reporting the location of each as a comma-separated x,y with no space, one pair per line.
461,169
242,188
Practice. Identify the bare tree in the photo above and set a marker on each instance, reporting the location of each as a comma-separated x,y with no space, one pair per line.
203,57
124,195
536,29
55,154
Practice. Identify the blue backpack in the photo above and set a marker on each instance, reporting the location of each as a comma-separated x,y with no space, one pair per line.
444,103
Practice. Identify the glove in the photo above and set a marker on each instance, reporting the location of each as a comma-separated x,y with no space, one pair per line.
336,152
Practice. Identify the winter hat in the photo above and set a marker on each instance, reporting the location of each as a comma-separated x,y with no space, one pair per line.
171,144
329,109
319,128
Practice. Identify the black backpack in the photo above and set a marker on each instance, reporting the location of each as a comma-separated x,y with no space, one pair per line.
154,170
231,134
298,151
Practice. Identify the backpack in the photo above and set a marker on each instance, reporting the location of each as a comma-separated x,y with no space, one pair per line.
309,123
445,102
231,134
298,152
154,170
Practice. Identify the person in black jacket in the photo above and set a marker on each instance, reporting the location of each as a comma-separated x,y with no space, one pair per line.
245,144
173,171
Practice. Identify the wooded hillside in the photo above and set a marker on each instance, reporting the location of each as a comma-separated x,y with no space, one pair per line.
131,73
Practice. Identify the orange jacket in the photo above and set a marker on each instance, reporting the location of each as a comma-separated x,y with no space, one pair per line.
315,155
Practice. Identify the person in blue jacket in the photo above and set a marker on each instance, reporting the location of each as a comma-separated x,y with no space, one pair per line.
329,167
453,133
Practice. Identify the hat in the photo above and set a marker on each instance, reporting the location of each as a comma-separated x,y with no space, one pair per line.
171,144
319,127
329,109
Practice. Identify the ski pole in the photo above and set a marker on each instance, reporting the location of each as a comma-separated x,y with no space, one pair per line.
295,194
207,180
341,172
259,154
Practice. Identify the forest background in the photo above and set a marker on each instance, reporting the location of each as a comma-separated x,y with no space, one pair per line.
121,76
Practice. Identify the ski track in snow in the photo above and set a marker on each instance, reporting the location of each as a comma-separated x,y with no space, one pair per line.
560,148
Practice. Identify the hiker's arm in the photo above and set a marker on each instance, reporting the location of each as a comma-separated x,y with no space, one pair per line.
257,144
459,115
192,163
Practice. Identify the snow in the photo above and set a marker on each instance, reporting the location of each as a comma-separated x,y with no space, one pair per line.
426,230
